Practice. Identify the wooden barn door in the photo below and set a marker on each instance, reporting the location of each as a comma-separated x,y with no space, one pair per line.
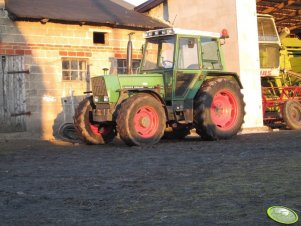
12,94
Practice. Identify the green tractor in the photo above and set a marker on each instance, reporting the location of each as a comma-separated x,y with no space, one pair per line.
280,61
181,85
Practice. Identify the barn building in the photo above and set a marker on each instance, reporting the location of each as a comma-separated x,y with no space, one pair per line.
50,49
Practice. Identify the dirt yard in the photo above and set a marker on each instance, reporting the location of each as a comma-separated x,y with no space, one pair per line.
188,182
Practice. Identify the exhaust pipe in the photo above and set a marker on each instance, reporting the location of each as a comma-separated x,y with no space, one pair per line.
129,54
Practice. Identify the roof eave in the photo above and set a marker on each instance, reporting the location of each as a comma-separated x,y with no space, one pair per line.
146,6
130,26
89,23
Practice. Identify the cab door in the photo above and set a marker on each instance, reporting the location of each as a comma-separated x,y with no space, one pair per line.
187,71
188,66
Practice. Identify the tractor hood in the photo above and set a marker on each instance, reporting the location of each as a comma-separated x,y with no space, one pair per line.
112,85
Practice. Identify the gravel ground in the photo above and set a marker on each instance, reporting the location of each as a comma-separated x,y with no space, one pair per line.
182,182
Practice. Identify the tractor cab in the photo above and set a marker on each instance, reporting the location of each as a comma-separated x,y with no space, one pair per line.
183,57
269,46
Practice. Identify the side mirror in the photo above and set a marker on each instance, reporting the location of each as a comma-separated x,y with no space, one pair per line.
105,71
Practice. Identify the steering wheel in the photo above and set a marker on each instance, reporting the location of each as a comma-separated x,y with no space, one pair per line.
167,63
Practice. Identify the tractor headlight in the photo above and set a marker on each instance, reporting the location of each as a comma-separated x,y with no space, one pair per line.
105,99
96,99
100,99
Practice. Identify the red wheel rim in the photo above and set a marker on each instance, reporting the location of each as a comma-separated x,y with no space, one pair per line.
224,109
103,130
146,121
94,129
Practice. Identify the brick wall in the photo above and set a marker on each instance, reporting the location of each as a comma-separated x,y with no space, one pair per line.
44,46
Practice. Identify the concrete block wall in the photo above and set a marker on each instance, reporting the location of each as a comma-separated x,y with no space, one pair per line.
43,47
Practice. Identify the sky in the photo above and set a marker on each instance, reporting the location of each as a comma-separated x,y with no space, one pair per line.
135,2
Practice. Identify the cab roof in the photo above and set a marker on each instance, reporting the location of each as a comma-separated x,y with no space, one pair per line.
180,31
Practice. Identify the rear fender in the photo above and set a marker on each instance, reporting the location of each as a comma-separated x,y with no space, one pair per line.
233,75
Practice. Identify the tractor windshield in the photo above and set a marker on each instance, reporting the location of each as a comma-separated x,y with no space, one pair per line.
269,55
269,43
159,53
267,30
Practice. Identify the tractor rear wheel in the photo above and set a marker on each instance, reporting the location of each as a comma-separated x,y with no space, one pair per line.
91,132
291,112
141,120
218,109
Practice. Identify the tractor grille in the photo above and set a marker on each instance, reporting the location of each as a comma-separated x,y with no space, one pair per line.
99,86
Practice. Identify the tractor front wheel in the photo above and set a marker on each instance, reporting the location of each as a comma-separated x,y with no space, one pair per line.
91,132
141,120
218,109
291,112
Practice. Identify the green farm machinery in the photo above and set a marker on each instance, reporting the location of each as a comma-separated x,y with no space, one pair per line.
280,61
181,85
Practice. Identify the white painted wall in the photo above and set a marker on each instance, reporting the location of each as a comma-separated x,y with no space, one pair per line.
211,16
249,65
241,49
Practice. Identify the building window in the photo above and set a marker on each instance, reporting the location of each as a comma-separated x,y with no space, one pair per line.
74,69
99,38
121,66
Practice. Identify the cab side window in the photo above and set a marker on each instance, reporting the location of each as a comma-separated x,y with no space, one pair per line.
188,54
210,54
